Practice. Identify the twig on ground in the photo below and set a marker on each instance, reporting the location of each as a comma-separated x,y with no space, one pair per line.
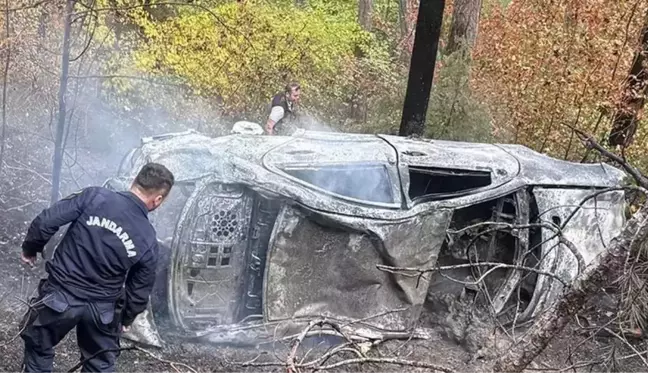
173,364
316,364
411,363
633,348
80,363
290,362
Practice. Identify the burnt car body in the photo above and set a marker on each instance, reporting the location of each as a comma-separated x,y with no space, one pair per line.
263,230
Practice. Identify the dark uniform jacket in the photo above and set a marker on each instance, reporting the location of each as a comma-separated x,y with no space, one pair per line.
109,243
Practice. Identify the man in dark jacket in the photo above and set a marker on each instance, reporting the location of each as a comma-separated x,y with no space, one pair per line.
101,274
282,108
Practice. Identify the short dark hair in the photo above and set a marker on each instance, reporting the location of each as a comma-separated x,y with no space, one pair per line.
153,177
292,86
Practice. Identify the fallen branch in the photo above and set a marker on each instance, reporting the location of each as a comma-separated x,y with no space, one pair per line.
411,363
359,349
313,365
633,348
290,363
419,271
300,338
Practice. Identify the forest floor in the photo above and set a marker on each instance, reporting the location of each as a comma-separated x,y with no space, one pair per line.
574,350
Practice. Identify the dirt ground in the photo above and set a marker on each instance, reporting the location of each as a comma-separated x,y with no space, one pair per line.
574,347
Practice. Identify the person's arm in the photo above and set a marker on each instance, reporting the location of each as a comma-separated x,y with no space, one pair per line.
139,285
48,222
276,114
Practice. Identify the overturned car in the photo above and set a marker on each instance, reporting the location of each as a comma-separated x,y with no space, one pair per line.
268,232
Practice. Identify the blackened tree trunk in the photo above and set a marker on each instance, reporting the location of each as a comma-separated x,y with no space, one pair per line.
624,123
5,76
60,127
551,323
365,11
421,74
465,24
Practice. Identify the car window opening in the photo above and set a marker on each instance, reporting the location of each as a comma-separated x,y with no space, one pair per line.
439,182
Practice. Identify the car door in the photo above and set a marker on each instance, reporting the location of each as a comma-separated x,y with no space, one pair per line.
326,265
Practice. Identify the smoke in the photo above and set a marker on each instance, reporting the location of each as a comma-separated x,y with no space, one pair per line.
312,122
147,110
110,107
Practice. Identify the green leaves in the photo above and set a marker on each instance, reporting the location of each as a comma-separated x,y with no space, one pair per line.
243,53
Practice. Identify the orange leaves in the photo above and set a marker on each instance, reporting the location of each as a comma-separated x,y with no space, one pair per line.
542,67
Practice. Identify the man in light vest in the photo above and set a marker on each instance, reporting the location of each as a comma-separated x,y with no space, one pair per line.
282,109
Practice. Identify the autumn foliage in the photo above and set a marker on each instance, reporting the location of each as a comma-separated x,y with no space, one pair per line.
544,67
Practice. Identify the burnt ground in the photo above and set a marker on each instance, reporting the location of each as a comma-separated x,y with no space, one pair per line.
575,346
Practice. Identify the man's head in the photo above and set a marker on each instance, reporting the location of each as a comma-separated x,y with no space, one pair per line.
153,184
293,90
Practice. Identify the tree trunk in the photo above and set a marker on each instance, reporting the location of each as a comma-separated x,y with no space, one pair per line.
593,279
42,22
3,136
65,65
465,24
365,10
421,73
402,18
624,123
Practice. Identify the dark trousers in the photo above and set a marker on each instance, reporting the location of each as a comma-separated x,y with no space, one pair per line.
53,314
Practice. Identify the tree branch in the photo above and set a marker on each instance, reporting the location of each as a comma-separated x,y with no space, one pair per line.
590,143
558,230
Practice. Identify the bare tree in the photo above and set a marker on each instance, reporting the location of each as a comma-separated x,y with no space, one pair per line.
402,17
624,123
3,136
60,127
465,24
365,11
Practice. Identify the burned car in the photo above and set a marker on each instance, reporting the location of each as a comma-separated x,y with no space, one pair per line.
269,230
